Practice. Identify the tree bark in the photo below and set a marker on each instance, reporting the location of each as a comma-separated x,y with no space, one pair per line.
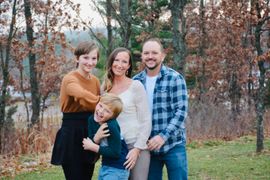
234,94
109,26
202,78
35,97
24,98
179,33
260,107
5,73
126,21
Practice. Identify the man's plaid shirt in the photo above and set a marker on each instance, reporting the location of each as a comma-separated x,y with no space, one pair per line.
170,106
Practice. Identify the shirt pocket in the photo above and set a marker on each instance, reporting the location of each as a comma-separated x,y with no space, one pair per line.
162,94
163,98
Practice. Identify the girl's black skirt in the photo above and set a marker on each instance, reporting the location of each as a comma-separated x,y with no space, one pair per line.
68,142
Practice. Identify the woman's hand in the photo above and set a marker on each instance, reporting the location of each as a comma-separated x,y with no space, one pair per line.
102,132
132,157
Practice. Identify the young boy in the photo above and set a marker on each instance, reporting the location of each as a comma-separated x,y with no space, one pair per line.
112,148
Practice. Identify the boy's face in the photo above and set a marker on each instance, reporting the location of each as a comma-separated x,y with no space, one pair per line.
102,113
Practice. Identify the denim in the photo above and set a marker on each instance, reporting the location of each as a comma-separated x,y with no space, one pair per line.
111,173
175,161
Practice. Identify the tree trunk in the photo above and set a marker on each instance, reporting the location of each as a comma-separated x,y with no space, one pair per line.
246,43
234,94
126,22
201,53
179,33
24,98
109,26
5,73
250,83
260,107
32,64
43,107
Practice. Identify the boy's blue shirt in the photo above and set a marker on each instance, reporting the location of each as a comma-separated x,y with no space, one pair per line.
113,149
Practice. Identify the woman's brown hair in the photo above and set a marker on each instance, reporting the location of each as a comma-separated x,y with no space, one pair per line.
109,76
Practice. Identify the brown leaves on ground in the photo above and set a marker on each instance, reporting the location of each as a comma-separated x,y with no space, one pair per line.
28,149
11,165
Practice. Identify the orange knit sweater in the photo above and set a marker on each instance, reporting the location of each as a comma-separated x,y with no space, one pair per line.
79,94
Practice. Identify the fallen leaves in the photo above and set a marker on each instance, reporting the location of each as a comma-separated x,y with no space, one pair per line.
11,165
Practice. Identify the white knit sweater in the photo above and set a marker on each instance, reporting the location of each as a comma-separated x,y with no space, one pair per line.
135,119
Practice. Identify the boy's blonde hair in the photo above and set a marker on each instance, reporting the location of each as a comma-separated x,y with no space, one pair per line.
113,102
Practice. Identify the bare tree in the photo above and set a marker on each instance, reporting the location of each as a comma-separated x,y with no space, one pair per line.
5,60
179,33
125,22
109,25
202,47
260,106
35,97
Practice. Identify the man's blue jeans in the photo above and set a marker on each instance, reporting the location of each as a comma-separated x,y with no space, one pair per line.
175,161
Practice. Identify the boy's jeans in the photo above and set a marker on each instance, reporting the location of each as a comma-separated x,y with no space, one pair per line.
175,161
111,173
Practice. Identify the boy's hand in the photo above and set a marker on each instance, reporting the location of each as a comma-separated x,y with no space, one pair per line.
102,132
87,143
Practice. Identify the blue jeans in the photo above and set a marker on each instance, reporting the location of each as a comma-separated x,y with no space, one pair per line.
111,173
175,161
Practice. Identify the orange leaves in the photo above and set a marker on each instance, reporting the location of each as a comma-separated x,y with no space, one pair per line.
264,57
140,38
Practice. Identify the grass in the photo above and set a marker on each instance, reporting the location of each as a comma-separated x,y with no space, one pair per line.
209,160
234,160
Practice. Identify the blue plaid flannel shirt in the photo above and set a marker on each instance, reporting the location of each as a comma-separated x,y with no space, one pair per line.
170,106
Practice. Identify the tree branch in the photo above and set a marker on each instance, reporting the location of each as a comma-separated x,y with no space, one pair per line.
97,39
99,11
1,55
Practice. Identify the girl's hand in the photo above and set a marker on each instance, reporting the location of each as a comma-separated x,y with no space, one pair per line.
132,157
102,132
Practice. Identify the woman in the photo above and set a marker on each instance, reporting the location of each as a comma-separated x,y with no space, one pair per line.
79,95
135,118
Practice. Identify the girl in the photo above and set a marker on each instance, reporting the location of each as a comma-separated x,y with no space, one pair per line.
79,95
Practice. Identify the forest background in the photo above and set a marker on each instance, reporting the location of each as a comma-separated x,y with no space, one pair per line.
220,46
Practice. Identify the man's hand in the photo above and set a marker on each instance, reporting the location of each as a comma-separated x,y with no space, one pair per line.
102,132
155,143
132,157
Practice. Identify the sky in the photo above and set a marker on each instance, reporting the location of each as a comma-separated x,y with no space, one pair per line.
87,12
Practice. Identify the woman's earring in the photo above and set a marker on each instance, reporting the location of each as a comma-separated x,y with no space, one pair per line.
126,72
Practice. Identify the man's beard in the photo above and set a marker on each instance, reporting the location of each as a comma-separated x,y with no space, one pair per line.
154,67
